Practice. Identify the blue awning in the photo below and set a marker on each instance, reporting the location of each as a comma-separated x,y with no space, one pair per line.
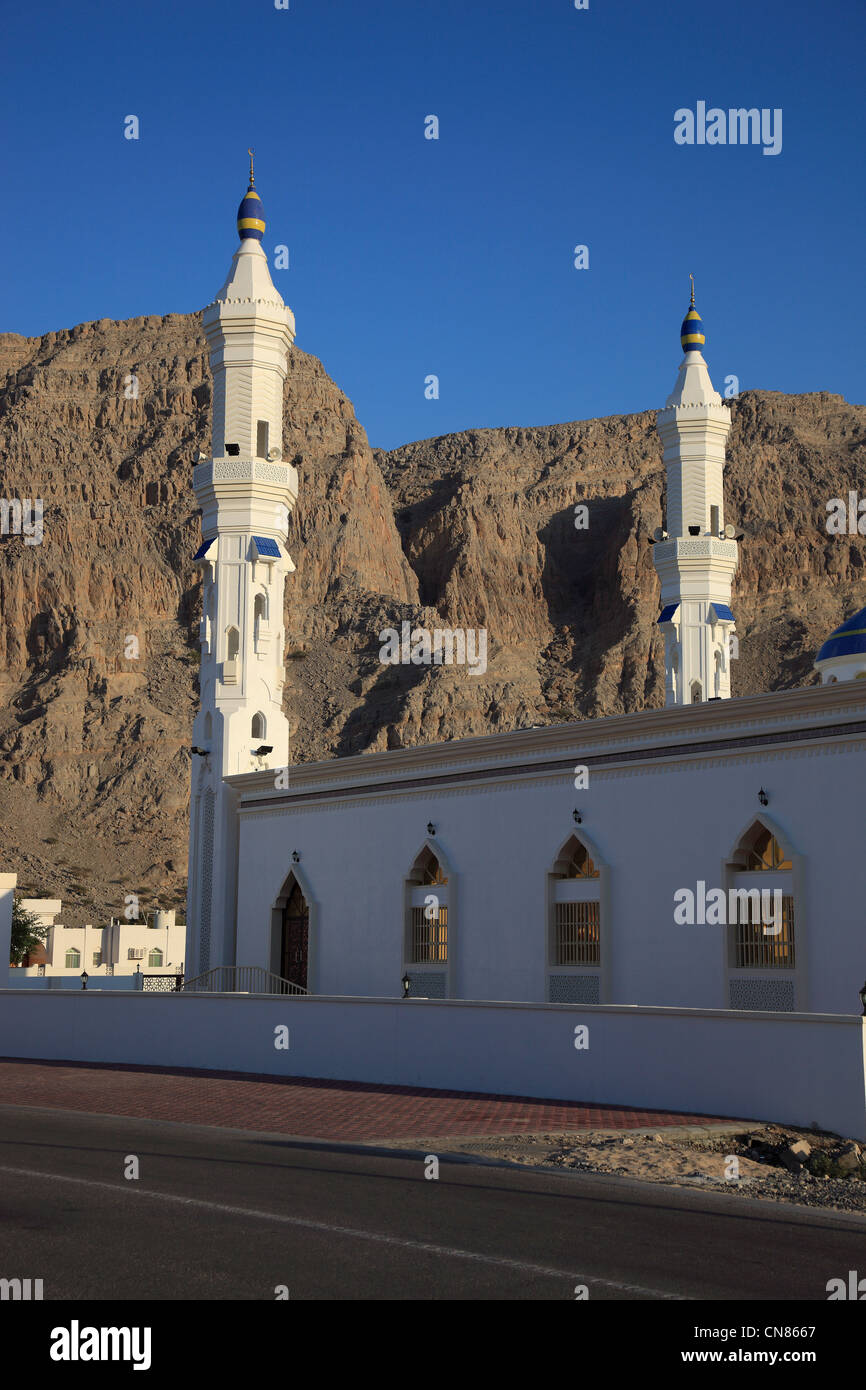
667,614
722,612
203,549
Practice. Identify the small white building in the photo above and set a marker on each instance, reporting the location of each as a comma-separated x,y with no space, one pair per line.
707,855
154,946
7,899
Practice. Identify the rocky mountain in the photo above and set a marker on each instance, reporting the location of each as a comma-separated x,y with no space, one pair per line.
473,530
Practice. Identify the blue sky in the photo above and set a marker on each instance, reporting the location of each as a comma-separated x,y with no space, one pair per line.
454,257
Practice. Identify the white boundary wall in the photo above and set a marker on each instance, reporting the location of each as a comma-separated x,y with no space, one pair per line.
792,1068
22,979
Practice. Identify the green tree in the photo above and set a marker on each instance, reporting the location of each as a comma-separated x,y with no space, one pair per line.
27,934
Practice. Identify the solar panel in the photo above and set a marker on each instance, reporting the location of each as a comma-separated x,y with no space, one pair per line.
265,546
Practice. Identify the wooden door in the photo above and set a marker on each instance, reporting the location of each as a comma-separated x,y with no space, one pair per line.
295,938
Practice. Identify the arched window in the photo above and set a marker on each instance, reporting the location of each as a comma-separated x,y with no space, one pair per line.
696,693
760,913
428,895
206,628
73,958
575,898
765,852
233,644
580,864
258,727
155,957
432,871
260,607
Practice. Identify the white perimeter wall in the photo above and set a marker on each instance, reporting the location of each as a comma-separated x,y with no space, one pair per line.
659,827
792,1068
24,979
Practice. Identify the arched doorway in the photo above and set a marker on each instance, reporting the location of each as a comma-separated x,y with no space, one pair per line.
295,938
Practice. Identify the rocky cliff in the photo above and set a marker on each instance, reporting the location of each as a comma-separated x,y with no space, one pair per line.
474,530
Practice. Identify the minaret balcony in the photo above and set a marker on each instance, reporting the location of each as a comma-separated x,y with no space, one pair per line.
232,474
695,548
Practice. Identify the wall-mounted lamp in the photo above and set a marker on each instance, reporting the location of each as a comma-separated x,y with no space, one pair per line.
296,858
863,999
763,798
431,829
578,818
263,752
200,752
84,978
405,982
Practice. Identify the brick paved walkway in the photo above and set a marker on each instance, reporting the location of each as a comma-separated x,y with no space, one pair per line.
335,1110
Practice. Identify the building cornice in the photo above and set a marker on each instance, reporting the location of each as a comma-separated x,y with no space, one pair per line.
713,728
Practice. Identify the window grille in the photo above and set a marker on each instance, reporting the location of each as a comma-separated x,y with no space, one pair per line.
429,937
754,947
577,934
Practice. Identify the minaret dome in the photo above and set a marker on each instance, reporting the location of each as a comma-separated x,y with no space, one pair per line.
692,332
251,214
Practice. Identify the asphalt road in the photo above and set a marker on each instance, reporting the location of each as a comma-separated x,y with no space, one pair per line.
227,1214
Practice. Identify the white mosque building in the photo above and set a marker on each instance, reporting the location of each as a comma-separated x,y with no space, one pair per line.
705,855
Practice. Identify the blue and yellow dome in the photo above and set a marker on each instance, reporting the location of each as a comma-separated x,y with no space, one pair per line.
251,214
847,640
692,331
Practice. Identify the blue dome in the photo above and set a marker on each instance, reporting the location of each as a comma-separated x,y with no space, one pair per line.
251,216
847,640
692,332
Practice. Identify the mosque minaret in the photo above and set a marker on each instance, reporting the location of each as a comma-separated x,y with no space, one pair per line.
245,492
696,553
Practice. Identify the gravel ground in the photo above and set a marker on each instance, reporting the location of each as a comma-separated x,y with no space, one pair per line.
718,1159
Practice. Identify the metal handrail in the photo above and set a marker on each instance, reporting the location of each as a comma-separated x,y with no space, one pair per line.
242,979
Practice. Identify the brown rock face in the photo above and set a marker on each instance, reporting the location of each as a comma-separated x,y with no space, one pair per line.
488,524
474,530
